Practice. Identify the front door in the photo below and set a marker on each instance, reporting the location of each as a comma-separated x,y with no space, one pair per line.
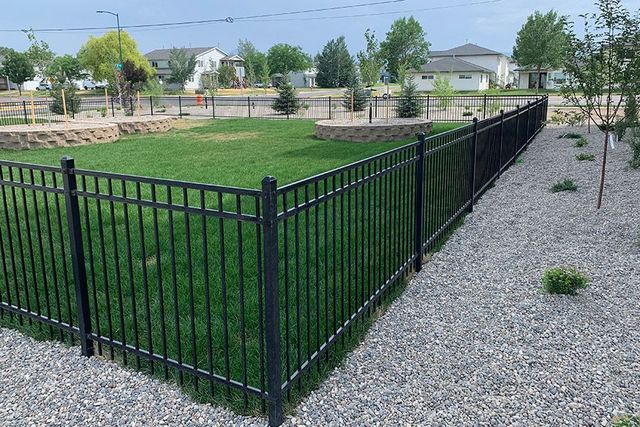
533,80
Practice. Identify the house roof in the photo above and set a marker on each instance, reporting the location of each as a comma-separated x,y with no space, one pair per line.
231,58
164,54
453,65
468,49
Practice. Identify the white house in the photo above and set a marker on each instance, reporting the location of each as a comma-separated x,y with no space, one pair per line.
303,79
496,62
549,79
208,60
463,75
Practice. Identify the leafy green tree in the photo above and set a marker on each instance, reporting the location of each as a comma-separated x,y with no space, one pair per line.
4,51
182,66
39,54
251,57
99,56
541,42
335,64
369,59
405,47
355,96
71,98
226,76
602,57
409,104
443,89
65,69
18,68
283,58
287,102
260,66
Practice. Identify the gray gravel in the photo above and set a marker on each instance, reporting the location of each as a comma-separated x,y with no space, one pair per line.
472,341
49,384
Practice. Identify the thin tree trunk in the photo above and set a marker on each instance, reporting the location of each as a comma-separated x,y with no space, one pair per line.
604,165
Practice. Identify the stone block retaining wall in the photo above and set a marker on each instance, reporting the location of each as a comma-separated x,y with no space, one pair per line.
363,131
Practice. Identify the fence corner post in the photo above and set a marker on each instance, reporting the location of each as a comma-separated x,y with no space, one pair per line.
151,104
419,202
272,299
180,105
472,178
77,254
329,107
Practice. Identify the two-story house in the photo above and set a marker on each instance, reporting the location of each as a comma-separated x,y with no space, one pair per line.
497,63
208,60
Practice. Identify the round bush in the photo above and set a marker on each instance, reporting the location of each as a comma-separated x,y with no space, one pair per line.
563,280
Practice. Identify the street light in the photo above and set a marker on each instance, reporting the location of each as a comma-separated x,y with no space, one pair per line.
118,24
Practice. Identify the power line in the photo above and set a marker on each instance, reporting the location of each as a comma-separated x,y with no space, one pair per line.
315,18
208,21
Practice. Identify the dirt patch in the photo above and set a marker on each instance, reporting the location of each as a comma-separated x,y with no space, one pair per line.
189,124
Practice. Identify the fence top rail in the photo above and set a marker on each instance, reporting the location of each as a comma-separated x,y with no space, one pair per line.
31,166
169,182
324,175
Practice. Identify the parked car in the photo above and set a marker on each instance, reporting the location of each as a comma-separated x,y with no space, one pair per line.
44,85
101,85
88,85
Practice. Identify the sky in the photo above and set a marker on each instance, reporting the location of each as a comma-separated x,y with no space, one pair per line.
491,24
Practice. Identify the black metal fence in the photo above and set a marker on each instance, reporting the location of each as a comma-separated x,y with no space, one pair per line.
237,293
438,109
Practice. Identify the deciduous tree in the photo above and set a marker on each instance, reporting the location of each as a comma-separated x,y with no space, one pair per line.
405,47
541,42
182,66
283,58
18,68
369,59
64,69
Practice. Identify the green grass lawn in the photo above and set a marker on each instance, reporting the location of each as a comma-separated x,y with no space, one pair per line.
160,265
236,152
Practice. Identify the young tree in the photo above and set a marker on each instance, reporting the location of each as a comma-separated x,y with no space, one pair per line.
287,102
369,59
133,77
250,54
283,58
601,59
99,56
65,69
444,90
336,67
409,105
182,66
39,54
17,67
355,97
405,47
541,42
226,76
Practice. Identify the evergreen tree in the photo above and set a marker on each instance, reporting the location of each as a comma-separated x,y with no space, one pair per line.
335,64
287,102
409,105
360,98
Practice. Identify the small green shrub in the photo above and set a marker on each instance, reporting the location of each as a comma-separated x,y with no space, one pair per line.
586,156
563,280
634,143
519,161
581,142
200,92
571,135
467,114
565,185
627,421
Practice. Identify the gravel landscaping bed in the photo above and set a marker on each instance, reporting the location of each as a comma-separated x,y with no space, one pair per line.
472,341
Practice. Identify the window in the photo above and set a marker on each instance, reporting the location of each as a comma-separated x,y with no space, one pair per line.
428,77
465,77
199,62
154,64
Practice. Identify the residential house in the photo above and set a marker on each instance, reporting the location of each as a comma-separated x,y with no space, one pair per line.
496,62
208,60
463,75
303,79
550,79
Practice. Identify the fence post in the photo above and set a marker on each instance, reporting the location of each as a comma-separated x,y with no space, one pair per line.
131,105
151,104
428,105
113,109
206,103
180,106
515,146
419,203
472,179
249,105
376,107
370,112
24,108
329,108
484,107
213,106
77,254
528,114
501,142
272,298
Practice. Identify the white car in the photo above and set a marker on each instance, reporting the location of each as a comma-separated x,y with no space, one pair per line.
44,85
